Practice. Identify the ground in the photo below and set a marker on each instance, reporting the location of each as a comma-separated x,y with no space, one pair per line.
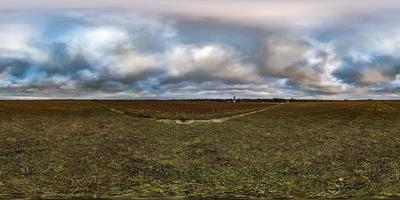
111,148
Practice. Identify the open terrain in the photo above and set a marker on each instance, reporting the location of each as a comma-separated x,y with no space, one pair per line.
183,110
145,149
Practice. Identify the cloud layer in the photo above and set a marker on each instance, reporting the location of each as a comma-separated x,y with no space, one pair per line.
142,52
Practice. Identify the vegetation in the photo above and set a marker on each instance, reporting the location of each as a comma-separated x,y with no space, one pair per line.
301,149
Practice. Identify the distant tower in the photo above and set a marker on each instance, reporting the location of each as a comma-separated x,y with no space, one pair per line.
234,99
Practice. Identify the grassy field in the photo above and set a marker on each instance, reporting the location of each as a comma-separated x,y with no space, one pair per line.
114,148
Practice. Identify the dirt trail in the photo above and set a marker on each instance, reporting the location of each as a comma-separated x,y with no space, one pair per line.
215,120
191,121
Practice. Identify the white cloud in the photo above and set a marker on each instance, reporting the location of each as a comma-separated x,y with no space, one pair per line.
210,61
4,79
110,50
18,41
306,63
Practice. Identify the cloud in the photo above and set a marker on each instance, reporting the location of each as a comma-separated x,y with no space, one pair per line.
271,12
17,42
99,57
306,64
119,53
109,52
207,62
368,52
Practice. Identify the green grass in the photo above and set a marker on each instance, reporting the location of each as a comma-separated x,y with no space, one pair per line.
332,149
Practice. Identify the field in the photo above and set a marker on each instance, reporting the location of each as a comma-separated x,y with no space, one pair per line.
149,149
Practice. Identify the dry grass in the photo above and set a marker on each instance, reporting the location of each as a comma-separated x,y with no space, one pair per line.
326,149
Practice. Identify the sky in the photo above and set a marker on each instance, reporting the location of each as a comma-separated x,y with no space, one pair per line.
183,49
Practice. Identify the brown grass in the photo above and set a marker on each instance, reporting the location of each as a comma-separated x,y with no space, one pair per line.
319,149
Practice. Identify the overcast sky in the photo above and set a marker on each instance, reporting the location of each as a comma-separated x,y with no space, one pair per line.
199,49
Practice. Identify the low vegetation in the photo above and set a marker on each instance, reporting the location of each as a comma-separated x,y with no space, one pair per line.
298,149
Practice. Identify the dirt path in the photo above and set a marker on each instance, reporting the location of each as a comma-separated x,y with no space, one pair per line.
215,120
192,121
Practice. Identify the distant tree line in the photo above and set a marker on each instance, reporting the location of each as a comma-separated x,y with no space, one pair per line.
255,100
281,100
